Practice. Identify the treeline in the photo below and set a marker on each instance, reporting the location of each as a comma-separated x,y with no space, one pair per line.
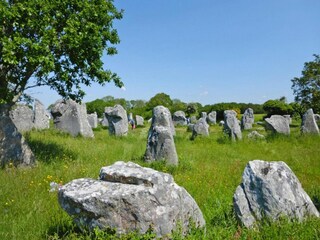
144,108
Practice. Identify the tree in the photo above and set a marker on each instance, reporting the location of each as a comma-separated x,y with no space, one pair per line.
159,99
55,43
307,87
278,106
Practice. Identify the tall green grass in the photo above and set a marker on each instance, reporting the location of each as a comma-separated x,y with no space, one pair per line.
210,168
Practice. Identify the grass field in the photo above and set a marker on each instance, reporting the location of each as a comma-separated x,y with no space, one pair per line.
209,168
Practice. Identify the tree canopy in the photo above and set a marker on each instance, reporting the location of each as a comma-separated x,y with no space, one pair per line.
307,87
55,43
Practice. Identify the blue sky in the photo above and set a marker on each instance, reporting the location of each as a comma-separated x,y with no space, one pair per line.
209,51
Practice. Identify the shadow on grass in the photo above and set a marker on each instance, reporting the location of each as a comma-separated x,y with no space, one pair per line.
64,231
50,152
316,202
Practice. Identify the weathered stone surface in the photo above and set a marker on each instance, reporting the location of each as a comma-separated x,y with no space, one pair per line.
221,123
309,124
41,116
288,117
231,125
71,117
247,119
204,115
93,120
13,147
130,198
212,117
139,120
278,124
104,122
118,120
255,135
161,116
22,116
270,189
200,128
160,143
179,118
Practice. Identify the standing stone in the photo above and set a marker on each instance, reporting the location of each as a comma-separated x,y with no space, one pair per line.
13,147
22,116
161,116
139,120
71,117
212,117
271,190
204,115
104,121
160,143
231,125
179,118
127,198
118,120
41,117
247,119
309,124
278,124
93,120
200,128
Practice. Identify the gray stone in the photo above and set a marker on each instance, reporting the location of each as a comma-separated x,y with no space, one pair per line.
139,120
278,124
247,119
13,147
104,121
22,116
160,143
130,198
204,115
231,125
41,116
118,120
179,118
309,124
212,117
161,116
289,119
93,120
271,190
221,123
71,117
200,128
255,135
317,117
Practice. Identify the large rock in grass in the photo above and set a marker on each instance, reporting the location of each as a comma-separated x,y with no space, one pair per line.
139,120
309,124
117,119
13,147
22,116
271,190
71,117
278,124
41,117
212,117
179,118
93,120
130,198
231,125
160,142
247,119
200,128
